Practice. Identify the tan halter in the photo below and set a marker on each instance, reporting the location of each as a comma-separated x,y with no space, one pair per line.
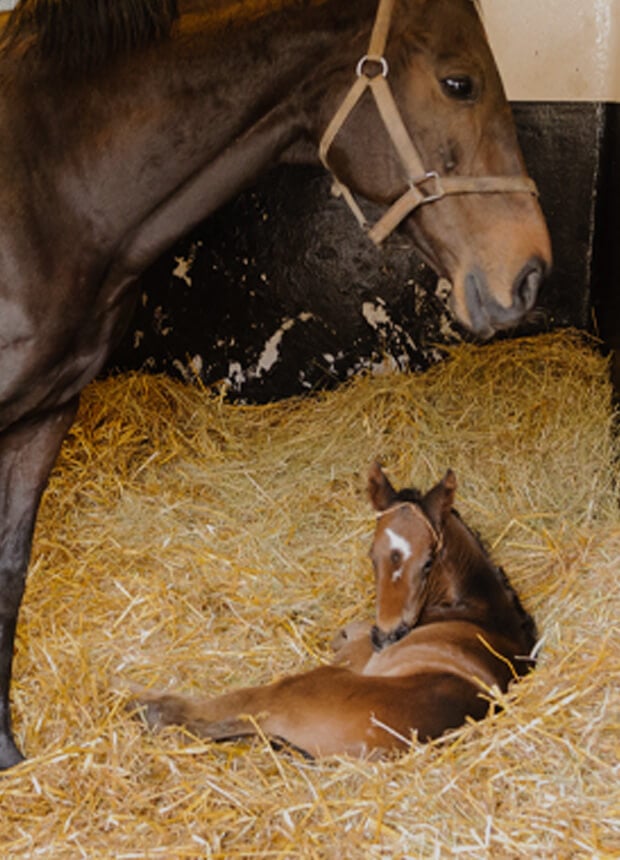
424,186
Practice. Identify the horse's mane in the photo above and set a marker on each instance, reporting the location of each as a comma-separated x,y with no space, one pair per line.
80,35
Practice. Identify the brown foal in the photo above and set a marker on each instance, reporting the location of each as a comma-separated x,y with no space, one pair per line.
448,630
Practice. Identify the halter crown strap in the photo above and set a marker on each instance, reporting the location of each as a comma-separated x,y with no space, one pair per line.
424,186
380,29
419,513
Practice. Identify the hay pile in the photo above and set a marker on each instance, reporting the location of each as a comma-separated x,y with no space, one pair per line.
188,543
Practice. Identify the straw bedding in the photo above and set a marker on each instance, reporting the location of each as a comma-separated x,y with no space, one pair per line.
188,543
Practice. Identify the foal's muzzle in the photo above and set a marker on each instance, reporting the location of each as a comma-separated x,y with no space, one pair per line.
380,639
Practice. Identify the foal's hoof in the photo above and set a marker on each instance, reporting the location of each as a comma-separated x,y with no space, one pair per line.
158,709
145,705
9,754
148,712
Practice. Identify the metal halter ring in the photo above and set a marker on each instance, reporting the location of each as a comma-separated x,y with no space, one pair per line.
381,61
419,182
423,186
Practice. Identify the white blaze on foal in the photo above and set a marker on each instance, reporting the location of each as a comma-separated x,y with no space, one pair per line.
401,545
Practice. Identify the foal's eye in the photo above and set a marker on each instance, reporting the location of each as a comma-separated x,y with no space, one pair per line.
427,567
460,87
396,557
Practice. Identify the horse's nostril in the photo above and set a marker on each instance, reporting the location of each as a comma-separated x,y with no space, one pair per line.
478,303
486,313
526,285
380,639
377,637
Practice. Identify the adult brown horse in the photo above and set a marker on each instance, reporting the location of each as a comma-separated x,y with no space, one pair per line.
125,123
448,629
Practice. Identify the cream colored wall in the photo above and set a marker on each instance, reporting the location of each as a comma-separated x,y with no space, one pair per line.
554,50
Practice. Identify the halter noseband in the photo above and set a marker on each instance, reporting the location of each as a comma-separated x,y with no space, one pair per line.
425,186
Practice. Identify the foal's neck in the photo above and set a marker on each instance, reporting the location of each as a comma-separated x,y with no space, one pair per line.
466,585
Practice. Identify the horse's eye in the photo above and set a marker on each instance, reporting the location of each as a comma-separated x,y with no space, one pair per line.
427,567
459,87
396,557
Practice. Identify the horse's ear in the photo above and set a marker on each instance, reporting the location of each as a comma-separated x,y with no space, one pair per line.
381,492
438,501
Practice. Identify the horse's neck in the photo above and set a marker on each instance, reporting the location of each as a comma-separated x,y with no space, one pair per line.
460,555
185,125
468,586
282,53
257,102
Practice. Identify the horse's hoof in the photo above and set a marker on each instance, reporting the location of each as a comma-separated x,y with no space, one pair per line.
9,754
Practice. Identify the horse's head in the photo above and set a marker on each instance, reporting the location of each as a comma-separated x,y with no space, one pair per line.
488,238
407,540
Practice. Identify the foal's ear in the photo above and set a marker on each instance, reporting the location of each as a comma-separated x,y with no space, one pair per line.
381,492
438,501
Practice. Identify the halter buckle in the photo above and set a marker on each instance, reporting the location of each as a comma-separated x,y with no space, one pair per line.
367,58
428,196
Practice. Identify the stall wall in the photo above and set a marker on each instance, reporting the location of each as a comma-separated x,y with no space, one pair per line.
560,62
559,50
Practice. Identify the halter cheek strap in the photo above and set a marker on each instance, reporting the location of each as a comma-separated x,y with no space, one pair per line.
424,186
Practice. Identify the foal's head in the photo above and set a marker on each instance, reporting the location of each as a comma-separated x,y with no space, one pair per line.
407,542
429,566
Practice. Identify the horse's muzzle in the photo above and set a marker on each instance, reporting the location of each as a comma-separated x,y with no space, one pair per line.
380,639
487,315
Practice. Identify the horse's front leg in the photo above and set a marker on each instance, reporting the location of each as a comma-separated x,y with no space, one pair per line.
27,453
